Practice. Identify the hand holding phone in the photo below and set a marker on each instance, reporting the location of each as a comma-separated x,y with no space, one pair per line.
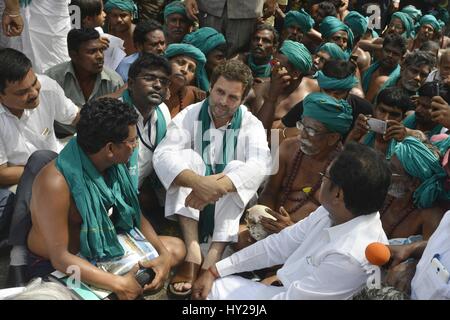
376,125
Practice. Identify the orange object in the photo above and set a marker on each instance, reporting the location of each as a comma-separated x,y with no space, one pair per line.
378,253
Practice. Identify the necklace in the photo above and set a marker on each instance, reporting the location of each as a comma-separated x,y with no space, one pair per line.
390,229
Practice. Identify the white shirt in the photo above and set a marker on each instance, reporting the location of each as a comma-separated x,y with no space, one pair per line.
145,163
252,151
434,75
426,283
321,261
19,138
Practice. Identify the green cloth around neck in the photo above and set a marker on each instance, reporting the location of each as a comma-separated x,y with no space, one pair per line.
420,162
369,140
261,70
300,18
410,122
229,144
94,196
394,75
335,115
298,55
336,84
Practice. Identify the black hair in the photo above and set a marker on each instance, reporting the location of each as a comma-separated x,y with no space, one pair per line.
234,70
430,46
396,98
14,66
364,176
76,37
149,61
88,8
419,58
338,69
328,8
263,26
429,89
102,121
395,40
221,47
144,27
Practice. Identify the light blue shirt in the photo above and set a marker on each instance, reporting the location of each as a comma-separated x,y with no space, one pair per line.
125,64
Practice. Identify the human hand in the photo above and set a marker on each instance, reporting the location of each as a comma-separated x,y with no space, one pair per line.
401,275
191,9
283,221
395,130
127,286
12,25
279,81
202,286
205,190
440,111
104,42
161,267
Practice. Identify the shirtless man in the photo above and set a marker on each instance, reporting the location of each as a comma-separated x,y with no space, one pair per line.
74,195
120,21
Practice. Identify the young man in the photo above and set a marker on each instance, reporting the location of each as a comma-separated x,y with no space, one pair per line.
120,21
92,14
86,196
322,255
84,77
209,182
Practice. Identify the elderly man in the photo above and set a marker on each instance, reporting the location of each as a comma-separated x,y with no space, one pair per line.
293,192
296,25
429,29
412,206
394,49
120,21
322,255
187,64
84,77
213,45
176,22
212,161
442,73
263,45
148,37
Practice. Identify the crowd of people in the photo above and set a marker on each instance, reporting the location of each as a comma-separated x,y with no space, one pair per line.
118,115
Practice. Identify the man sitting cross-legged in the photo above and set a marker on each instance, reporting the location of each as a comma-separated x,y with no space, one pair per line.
86,196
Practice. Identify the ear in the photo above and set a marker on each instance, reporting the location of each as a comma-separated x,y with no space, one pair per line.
109,149
167,97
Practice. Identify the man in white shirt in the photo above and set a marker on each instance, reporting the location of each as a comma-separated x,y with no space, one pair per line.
29,104
323,255
225,173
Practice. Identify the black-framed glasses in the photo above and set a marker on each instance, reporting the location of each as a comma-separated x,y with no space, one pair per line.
309,131
150,78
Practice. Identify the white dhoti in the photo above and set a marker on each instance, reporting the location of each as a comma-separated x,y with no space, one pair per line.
228,209
238,288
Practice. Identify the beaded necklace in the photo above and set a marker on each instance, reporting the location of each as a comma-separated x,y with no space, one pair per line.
390,229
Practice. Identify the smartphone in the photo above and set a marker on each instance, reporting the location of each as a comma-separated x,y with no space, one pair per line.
378,126
440,270
436,91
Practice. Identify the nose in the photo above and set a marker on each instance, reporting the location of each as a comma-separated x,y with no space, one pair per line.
160,48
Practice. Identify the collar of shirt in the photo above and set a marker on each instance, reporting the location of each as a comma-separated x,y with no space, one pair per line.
343,229
7,112
69,69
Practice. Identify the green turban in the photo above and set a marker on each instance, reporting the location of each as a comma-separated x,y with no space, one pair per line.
326,82
331,25
300,18
178,49
413,12
407,22
357,22
432,21
336,115
174,7
420,162
297,55
334,51
124,5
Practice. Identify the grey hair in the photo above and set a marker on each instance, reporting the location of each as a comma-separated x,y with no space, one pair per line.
40,290
418,58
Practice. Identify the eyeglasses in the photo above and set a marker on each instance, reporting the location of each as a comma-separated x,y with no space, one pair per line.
133,142
150,78
309,131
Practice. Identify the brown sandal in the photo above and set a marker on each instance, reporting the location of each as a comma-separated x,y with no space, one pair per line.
187,272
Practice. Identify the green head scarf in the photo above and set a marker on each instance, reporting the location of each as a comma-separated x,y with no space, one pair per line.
206,39
24,3
175,7
420,162
431,20
297,55
331,25
124,5
357,22
407,23
414,13
336,115
300,18
178,49
334,51
326,82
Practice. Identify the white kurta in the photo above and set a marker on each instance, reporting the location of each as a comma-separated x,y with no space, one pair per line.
320,261
181,149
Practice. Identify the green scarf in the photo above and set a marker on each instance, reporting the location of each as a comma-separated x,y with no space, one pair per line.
24,3
330,25
357,22
412,12
206,223
300,18
368,75
443,145
124,5
418,161
335,115
334,51
174,7
336,84
262,70
410,122
369,140
161,128
205,39
93,197
432,21
407,22
298,55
